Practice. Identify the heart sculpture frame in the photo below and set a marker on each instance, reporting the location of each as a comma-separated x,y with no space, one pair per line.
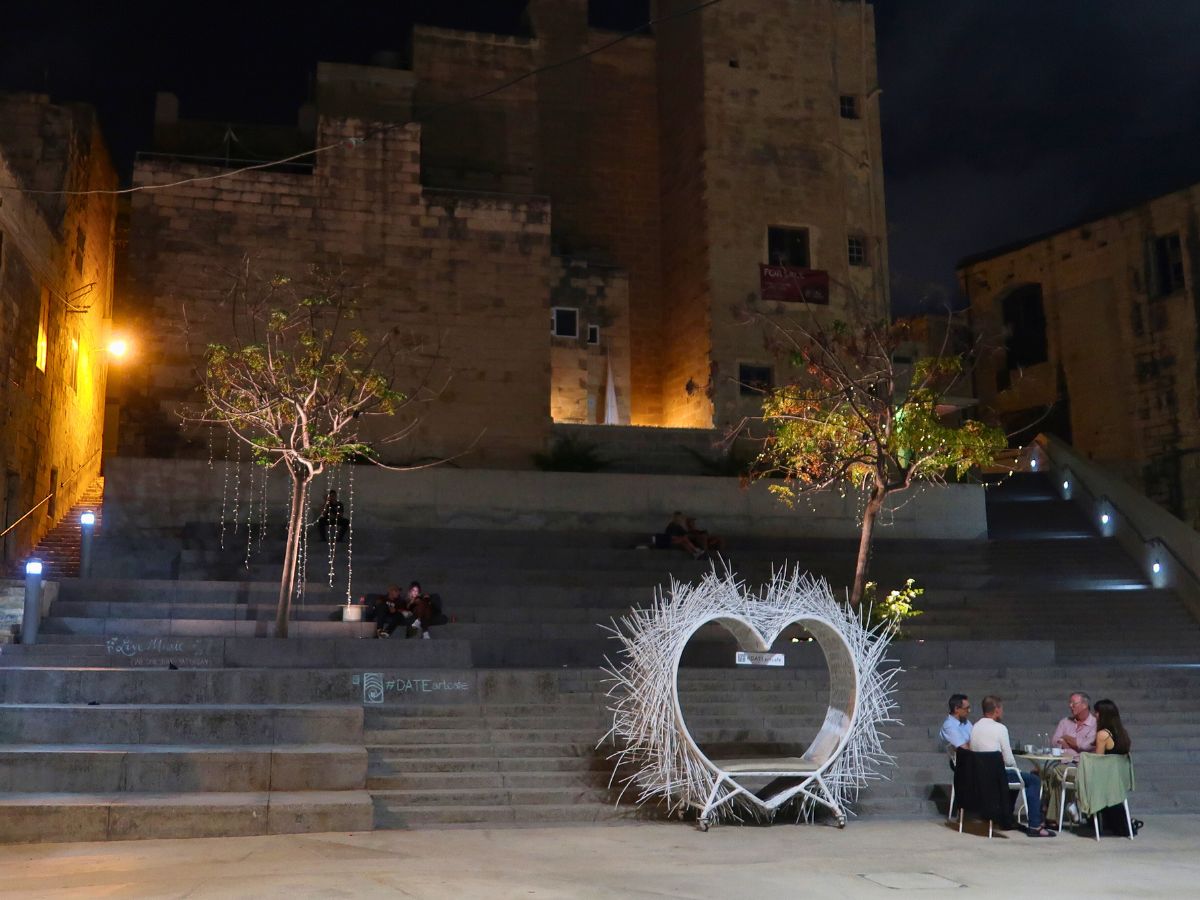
649,725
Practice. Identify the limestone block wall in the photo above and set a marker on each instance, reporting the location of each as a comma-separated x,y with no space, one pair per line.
56,277
464,274
579,369
778,152
1123,358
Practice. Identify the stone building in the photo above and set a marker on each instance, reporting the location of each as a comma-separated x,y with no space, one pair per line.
629,200
56,276
1091,332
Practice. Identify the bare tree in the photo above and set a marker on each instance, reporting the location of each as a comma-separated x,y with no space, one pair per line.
296,383
850,414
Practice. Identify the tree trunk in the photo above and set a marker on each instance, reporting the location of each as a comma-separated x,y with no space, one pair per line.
874,505
291,551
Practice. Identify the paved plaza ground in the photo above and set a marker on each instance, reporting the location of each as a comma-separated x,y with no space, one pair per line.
871,858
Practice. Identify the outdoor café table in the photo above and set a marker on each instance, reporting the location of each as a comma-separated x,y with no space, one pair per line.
1050,770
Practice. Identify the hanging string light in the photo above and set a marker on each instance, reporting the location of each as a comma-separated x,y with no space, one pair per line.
349,534
237,488
224,490
332,477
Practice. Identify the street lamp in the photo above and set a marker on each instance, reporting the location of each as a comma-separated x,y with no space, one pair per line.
87,525
33,601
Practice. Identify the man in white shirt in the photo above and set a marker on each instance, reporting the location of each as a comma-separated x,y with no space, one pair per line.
990,735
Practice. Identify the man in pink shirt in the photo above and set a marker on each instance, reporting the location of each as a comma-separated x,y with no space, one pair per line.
1077,732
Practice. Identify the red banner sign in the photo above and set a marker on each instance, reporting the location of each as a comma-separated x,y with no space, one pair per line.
793,285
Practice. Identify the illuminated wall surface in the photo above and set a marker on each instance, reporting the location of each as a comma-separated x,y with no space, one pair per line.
635,187
56,276
1097,324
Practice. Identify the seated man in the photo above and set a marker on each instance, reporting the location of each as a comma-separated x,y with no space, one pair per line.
990,735
956,729
1076,733
677,533
377,604
331,514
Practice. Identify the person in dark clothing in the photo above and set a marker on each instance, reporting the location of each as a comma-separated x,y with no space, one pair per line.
392,613
677,533
331,514
426,610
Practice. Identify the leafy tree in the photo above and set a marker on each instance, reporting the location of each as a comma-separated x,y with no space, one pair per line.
850,414
296,382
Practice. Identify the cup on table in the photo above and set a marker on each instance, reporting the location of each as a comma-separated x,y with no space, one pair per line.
1029,748
1057,751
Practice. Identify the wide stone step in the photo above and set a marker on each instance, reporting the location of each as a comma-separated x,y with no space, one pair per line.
178,724
41,817
109,768
388,816
449,796
489,781
167,627
384,761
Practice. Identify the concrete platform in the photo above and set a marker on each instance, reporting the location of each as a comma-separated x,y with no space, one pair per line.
868,859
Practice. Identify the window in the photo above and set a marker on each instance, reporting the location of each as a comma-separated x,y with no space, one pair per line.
628,15
848,106
856,250
564,322
43,337
753,379
73,365
593,334
1025,327
1166,265
787,247
80,249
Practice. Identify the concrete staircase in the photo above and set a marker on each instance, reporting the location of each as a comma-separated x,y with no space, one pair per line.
90,754
497,719
59,548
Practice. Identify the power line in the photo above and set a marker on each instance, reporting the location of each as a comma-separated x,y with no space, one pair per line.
376,132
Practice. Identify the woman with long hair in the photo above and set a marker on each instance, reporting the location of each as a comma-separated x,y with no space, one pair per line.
1111,736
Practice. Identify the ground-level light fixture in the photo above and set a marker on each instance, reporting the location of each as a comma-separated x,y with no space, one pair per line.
87,517
1156,568
1104,518
33,567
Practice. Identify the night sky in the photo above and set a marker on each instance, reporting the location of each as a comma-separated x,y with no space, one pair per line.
1001,120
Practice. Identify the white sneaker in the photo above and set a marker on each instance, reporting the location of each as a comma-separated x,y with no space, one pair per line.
424,635
416,623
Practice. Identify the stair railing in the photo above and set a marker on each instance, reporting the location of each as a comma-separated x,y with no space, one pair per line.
57,490
1167,548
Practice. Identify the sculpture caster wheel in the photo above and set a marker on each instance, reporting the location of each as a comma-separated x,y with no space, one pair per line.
703,824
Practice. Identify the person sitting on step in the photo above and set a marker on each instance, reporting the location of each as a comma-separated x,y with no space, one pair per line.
331,514
396,613
426,610
676,535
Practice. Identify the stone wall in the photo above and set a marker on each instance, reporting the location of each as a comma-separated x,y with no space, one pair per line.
466,274
1122,365
167,494
56,254
777,151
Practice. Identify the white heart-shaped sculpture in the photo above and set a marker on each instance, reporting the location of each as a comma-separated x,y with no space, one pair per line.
649,722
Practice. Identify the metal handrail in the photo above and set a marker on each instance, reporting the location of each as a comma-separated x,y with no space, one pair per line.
1126,519
53,493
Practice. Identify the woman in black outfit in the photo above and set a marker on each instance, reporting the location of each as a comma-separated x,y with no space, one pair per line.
1111,737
